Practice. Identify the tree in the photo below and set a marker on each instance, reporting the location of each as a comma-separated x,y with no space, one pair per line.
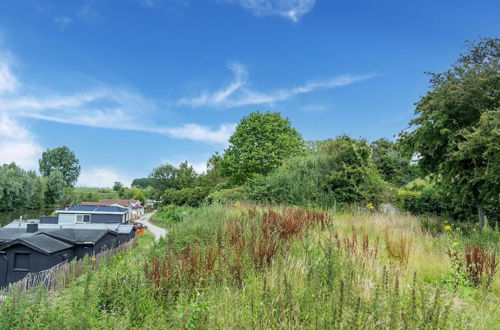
164,177
454,128
119,188
55,188
139,195
142,182
63,160
186,176
261,142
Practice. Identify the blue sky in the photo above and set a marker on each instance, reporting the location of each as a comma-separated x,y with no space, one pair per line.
129,85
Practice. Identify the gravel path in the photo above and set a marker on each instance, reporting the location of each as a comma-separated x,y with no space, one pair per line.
157,231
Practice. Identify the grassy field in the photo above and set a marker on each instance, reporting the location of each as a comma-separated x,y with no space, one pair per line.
244,266
95,194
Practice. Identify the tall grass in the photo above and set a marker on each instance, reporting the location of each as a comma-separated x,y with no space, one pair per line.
247,266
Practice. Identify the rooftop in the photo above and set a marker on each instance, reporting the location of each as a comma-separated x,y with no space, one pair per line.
41,242
94,208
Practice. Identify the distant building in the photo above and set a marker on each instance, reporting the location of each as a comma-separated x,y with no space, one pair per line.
93,214
34,246
136,209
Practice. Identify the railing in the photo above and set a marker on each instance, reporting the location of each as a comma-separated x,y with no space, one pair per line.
59,275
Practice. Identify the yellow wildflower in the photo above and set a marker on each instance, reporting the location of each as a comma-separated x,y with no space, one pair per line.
447,227
93,259
370,206
455,243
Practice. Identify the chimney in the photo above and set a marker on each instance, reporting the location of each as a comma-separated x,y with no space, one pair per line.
31,227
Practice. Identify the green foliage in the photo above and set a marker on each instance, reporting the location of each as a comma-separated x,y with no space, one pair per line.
119,188
261,142
186,196
340,173
20,189
223,196
142,182
55,188
139,195
63,160
170,214
168,177
420,197
393,165
456,128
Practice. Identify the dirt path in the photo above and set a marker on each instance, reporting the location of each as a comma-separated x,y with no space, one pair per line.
157,231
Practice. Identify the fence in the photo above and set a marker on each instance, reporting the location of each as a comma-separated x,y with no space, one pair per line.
59,275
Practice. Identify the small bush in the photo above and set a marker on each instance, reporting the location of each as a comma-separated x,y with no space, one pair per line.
227,195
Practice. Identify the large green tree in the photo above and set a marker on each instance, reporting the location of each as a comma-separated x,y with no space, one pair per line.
456,128
63,160
261,142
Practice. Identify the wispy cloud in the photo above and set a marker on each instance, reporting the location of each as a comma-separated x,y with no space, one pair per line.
8,81
103,107
17,144
62,22
201,133
237,94
289,9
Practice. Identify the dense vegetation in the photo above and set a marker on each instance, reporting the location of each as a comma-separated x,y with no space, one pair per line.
245,266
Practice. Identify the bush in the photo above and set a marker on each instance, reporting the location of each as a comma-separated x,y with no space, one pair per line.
328,180
420,197
186,196
172,214
227,195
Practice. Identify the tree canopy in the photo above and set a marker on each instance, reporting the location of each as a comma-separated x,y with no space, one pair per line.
63,160
456,128
261,142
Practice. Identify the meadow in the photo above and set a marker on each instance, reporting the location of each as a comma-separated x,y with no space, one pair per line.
247,266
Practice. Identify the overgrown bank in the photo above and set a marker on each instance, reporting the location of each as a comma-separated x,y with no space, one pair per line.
245,266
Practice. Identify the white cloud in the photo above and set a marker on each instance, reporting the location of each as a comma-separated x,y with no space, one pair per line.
17,144
101,177
199,167
110,108
8,81
237,94
289,9
196,132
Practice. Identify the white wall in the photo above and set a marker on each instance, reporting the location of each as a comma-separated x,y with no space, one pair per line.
66,218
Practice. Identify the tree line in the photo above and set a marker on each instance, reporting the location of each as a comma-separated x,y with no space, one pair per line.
20,189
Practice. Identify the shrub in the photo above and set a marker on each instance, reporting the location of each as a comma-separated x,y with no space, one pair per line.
171,214
186,196
227,195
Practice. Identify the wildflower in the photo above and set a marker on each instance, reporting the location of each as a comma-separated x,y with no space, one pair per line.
370,206
93,259
448,227
455,243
